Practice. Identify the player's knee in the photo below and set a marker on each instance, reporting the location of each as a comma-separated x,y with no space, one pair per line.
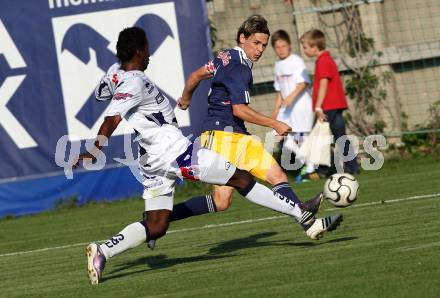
157,225
157,229
242,181
222,197
222,200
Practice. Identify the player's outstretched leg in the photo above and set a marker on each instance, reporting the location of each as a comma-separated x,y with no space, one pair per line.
98,254
308,209
314,227
152,228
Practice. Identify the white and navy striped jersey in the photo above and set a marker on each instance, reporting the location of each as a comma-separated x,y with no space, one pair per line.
134,97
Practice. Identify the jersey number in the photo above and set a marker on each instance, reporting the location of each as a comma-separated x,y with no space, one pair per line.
159,96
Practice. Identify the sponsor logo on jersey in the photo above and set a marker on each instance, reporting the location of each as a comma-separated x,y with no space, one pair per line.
225,57
122,96
115,79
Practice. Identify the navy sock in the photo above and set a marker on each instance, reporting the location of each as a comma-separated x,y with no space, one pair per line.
192,207
284,191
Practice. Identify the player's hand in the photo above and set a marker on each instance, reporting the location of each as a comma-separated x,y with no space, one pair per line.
282,128
81,157
182,103
321,116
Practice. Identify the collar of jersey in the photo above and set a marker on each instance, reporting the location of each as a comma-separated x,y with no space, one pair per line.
243,57
133,72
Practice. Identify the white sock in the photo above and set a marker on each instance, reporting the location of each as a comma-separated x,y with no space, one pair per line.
264,196
130,237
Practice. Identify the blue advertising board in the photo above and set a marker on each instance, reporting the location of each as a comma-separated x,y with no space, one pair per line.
52,54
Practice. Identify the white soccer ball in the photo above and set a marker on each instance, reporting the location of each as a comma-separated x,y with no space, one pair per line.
341,189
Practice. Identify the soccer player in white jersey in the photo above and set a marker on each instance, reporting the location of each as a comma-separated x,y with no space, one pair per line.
293,103
165,154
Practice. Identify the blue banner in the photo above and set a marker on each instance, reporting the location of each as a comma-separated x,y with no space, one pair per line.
52,54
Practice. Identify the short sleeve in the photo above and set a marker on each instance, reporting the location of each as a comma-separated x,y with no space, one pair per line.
104,90
128,95
301,74
325,69
237,78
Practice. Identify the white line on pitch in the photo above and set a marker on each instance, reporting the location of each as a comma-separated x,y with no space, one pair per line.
226,224
390,201
428,245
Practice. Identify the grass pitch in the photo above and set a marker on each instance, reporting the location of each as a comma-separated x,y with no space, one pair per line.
388,249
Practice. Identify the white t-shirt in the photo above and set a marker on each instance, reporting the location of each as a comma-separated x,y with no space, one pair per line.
288,73
149,113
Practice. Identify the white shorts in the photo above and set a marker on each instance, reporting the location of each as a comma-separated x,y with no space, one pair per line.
197,164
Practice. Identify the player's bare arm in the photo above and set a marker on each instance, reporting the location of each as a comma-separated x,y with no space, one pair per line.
248,114
292,97
322,91
105,131
191,84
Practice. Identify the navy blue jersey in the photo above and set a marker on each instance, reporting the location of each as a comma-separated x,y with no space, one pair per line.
230,85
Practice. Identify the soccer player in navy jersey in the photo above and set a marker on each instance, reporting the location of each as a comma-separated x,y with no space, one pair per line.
225,132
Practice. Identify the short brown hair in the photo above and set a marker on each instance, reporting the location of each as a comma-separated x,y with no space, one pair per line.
280,35
314,38
254,24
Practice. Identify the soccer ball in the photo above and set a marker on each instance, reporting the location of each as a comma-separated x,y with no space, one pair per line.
341,189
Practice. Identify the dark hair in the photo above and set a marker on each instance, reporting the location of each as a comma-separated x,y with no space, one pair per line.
280,35
129,41
254,24
314,38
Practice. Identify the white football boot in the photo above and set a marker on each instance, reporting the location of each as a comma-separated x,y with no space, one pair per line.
321,225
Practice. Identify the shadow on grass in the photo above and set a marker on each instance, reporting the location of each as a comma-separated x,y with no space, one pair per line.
157,262
342,239
255,241
219,251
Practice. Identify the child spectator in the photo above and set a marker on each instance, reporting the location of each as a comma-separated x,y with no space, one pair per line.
293,104
329,99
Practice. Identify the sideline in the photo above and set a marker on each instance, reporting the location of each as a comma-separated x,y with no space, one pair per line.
231,224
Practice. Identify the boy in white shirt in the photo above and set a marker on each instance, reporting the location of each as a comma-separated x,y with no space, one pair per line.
293,104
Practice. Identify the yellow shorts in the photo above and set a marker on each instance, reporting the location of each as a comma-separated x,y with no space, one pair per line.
244,151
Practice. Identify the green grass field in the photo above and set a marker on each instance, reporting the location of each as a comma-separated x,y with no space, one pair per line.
389,249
